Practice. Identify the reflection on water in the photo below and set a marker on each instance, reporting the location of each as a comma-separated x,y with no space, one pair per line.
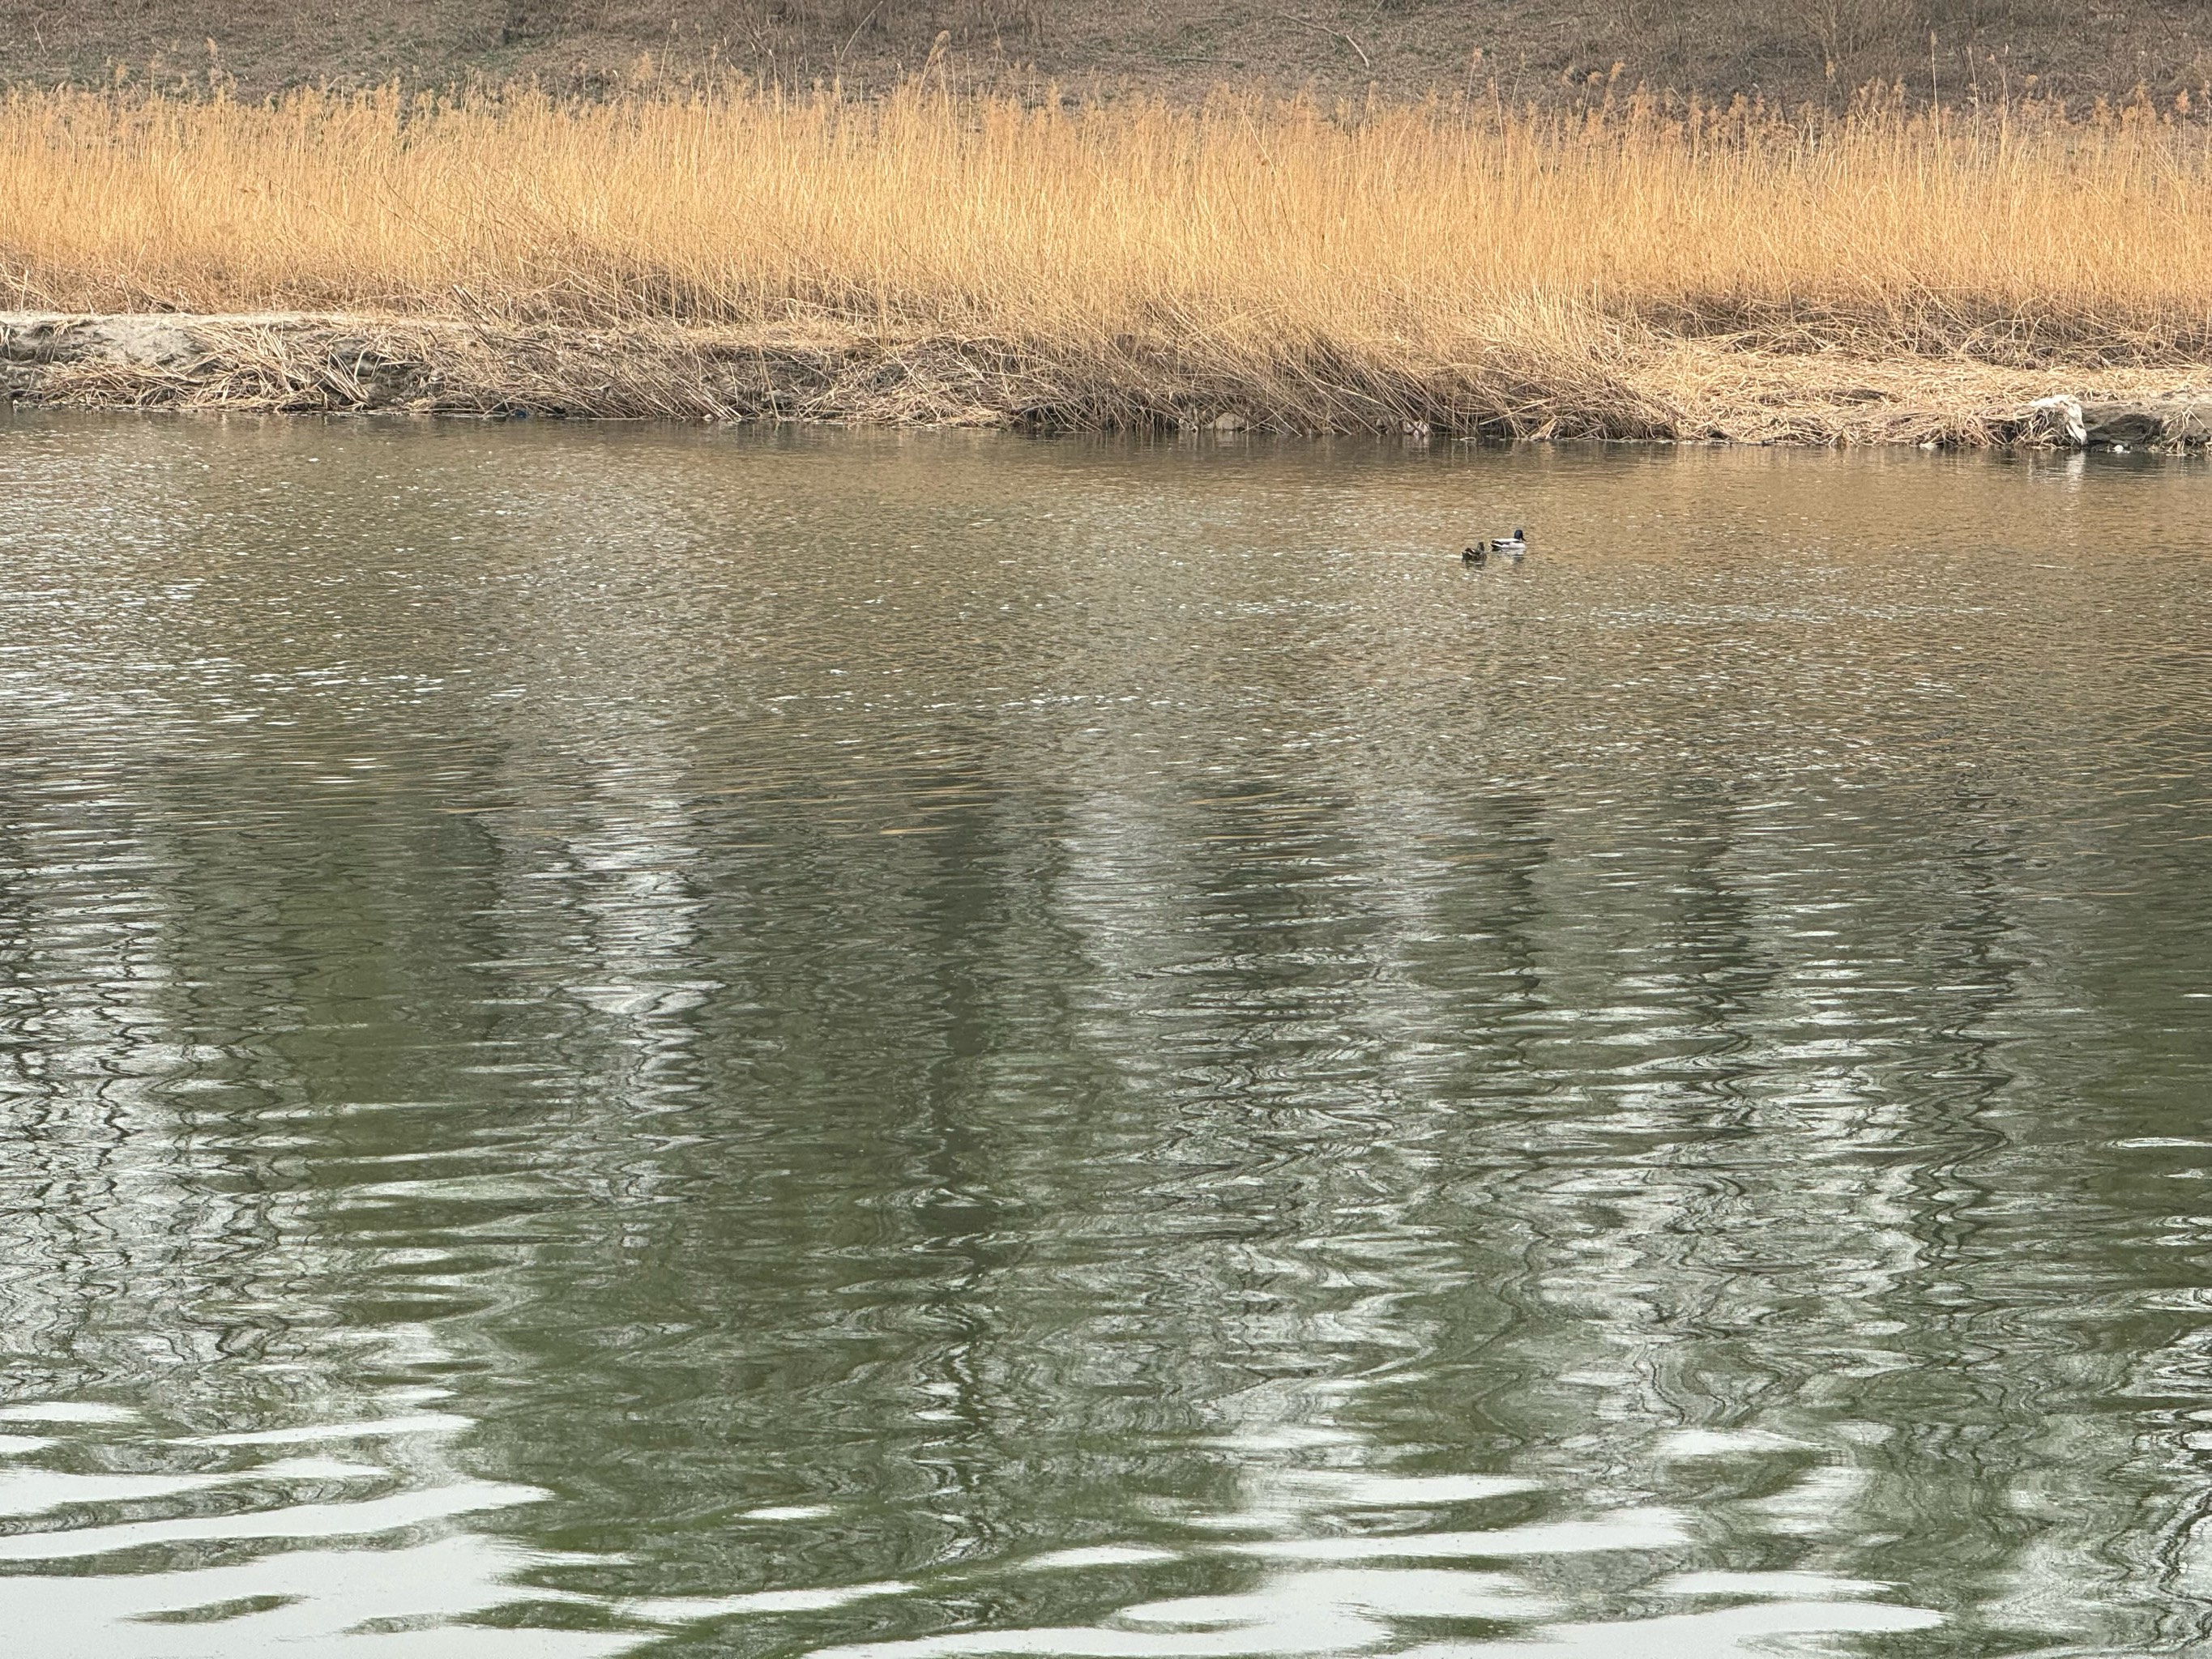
619,1042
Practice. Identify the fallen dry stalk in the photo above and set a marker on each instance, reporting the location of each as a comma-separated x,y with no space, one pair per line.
1636,270
1663,389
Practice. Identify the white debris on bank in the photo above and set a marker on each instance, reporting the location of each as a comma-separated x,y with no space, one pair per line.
2178,420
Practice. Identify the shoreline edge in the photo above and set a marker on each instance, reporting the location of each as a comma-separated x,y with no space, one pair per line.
1651,387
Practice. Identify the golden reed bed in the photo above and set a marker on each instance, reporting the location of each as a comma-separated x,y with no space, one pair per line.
1633,268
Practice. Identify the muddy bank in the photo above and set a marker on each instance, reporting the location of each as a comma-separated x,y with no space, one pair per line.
1637,385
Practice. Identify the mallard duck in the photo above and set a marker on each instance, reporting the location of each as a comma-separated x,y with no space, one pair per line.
1515,544
1479,554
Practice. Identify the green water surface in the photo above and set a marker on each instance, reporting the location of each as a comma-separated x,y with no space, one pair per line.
629,1042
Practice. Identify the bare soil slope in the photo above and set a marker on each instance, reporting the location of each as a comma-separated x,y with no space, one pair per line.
1790,51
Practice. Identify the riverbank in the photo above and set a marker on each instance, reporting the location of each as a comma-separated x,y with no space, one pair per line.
1647,268
1628,385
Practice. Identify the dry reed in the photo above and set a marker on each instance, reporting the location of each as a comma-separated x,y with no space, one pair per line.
1315,268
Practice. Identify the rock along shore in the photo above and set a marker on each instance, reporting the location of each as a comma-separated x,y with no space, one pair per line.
1653,388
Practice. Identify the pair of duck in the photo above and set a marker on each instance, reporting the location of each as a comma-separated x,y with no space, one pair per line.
1512,547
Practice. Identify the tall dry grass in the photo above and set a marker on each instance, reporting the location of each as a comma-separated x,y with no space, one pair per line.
1278,250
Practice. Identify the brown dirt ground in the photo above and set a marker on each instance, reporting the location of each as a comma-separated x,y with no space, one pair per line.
1781,50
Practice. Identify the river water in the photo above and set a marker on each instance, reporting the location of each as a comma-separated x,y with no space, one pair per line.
639,1040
